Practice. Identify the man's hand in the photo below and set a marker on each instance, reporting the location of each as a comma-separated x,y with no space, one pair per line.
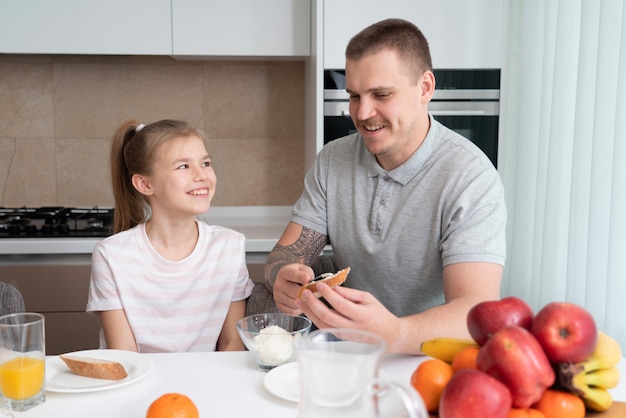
288,281
352,308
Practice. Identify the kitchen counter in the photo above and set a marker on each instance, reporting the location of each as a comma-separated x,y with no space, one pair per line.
262,226
53,273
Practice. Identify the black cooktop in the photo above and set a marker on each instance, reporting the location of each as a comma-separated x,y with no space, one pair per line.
55,222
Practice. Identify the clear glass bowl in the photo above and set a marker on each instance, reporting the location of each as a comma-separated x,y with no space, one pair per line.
270,337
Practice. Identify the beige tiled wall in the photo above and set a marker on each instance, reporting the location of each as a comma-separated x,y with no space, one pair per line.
58,113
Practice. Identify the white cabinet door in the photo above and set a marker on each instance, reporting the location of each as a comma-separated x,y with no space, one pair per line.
253,28
103,27
461,33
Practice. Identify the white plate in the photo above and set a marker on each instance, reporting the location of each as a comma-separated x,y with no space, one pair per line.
59,378
284,381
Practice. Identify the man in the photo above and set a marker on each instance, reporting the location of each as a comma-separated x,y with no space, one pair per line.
416,210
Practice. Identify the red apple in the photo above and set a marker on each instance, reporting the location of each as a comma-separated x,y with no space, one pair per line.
474,394
485,318
514,357
566,331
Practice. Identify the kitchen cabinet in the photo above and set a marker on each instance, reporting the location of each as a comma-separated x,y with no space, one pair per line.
183,28
138,27
268,28
461,33
59,291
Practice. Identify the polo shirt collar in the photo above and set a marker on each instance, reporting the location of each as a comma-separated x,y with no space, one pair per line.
412,166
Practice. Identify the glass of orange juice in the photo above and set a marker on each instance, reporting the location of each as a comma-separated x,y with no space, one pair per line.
22,361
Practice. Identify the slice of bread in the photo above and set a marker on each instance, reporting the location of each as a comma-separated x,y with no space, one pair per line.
332,281
96,368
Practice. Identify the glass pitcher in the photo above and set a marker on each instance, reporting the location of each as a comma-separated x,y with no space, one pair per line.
339,378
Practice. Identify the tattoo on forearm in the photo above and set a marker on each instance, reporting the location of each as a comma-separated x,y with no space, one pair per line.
308,246
279,257
305,250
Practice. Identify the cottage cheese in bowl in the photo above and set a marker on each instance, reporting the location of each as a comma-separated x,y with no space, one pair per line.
271,336
274,345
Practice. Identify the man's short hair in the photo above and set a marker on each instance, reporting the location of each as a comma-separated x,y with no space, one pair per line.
394,34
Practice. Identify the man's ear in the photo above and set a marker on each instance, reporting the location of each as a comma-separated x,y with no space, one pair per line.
427,83
142,184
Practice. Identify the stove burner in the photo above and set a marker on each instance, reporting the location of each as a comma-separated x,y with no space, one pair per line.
53,221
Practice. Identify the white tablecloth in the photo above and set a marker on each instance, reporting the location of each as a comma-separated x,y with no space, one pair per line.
221,384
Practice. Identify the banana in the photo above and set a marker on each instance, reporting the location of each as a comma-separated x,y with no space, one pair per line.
591,378
598,399
606,354
603,378
445,348
591,387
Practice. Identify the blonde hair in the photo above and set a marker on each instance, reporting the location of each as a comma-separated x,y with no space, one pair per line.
133,151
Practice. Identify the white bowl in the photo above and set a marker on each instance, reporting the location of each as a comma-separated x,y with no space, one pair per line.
270,337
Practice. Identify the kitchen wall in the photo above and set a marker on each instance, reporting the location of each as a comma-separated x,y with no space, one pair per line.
58,113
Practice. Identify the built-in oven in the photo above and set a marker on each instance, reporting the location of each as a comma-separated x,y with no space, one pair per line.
466,101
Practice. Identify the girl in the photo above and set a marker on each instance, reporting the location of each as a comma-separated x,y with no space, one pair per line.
166,282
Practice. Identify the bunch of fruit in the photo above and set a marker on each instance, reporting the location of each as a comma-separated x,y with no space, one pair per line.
554,364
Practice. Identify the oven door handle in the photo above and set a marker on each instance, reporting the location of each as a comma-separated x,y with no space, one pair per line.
464,108
458,113
435,107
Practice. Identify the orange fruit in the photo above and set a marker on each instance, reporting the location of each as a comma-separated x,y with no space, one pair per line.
525,413
465,359
559,404
429,379
173,405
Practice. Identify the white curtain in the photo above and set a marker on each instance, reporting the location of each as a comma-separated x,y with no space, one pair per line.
563,155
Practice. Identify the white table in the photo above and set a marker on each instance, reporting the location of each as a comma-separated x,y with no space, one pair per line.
221,384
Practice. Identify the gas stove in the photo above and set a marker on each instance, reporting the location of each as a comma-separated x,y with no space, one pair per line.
55,222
